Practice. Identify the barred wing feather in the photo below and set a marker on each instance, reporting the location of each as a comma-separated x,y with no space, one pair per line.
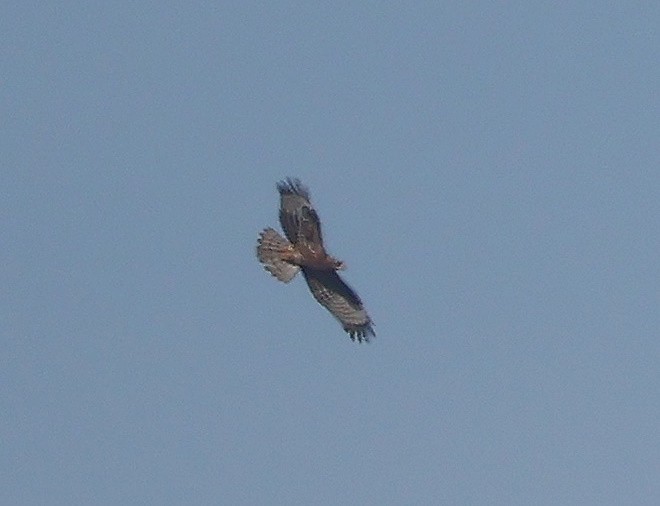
342,302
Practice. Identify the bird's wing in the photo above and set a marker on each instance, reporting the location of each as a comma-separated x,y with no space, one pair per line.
298,217
342,302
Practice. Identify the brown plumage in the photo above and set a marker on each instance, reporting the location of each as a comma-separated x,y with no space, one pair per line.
304,251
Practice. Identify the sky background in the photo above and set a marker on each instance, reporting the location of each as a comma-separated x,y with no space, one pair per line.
490,172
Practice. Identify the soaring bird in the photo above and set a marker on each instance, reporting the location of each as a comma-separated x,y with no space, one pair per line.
304,251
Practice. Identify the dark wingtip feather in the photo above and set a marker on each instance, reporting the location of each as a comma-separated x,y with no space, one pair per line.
361,333
292,186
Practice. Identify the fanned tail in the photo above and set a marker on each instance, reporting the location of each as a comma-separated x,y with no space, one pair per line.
271,247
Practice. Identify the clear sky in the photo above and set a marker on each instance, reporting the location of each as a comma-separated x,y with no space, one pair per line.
490,173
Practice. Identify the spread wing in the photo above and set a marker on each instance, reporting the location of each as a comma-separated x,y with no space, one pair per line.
342,302
297,215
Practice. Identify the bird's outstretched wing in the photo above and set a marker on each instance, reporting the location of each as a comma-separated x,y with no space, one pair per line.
298,217
342,302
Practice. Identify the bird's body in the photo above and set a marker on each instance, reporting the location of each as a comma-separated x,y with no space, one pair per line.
303,250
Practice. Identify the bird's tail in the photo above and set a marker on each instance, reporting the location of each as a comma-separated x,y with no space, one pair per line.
271,247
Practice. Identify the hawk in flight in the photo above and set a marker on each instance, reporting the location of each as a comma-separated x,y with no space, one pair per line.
304,251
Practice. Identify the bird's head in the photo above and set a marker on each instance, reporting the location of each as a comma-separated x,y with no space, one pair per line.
339,265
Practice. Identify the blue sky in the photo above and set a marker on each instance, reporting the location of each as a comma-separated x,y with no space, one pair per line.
488,171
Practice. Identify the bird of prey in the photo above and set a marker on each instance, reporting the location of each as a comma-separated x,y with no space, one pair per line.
304,251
